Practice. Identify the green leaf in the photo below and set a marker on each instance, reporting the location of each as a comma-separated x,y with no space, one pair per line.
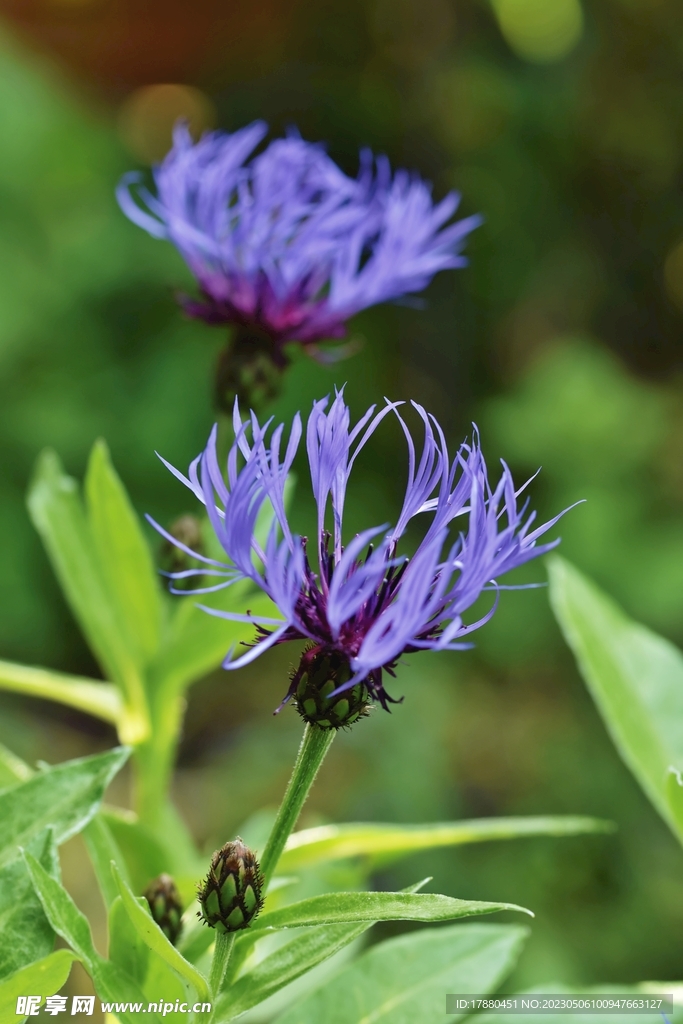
634,676
12,769
113,986
285,964
124,555
349,907
103,700
43,978
385,842
57,513
126,948
404,980
62,912
26,932
64,797
130,954
103,849
161,980
111,983
152,935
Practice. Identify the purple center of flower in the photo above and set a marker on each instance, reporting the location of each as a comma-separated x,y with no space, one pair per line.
338,653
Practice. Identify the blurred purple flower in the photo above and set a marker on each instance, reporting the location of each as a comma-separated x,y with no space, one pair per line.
288,244
364,604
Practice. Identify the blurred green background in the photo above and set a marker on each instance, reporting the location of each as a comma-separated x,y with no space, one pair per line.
563,124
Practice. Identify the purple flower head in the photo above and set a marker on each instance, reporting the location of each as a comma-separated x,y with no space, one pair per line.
287,244
359,605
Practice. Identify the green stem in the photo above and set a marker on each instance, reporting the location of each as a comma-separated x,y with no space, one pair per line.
221,958
103,700
314,745
154,760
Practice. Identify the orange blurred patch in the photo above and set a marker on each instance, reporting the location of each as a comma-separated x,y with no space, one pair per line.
119,45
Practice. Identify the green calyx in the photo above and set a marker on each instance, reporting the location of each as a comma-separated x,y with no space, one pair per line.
319,676
249,369
230,896
164,903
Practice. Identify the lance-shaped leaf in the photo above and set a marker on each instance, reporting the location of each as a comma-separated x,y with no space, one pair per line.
635,678
26,932
57,512
62,912
124,555
43,978
152,935
111,983
103,700
153,975
349,907
126,948
64,797
404,980
283,965
387,842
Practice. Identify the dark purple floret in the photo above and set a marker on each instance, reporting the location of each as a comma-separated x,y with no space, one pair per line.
285,243
358,606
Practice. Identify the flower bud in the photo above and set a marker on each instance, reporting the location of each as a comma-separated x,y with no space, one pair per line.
319,674
164,903
230,896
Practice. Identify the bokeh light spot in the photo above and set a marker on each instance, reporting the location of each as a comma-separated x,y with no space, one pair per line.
540,30
147,117
673,274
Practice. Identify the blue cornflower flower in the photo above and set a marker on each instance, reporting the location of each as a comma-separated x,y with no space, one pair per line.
362,605
287,244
